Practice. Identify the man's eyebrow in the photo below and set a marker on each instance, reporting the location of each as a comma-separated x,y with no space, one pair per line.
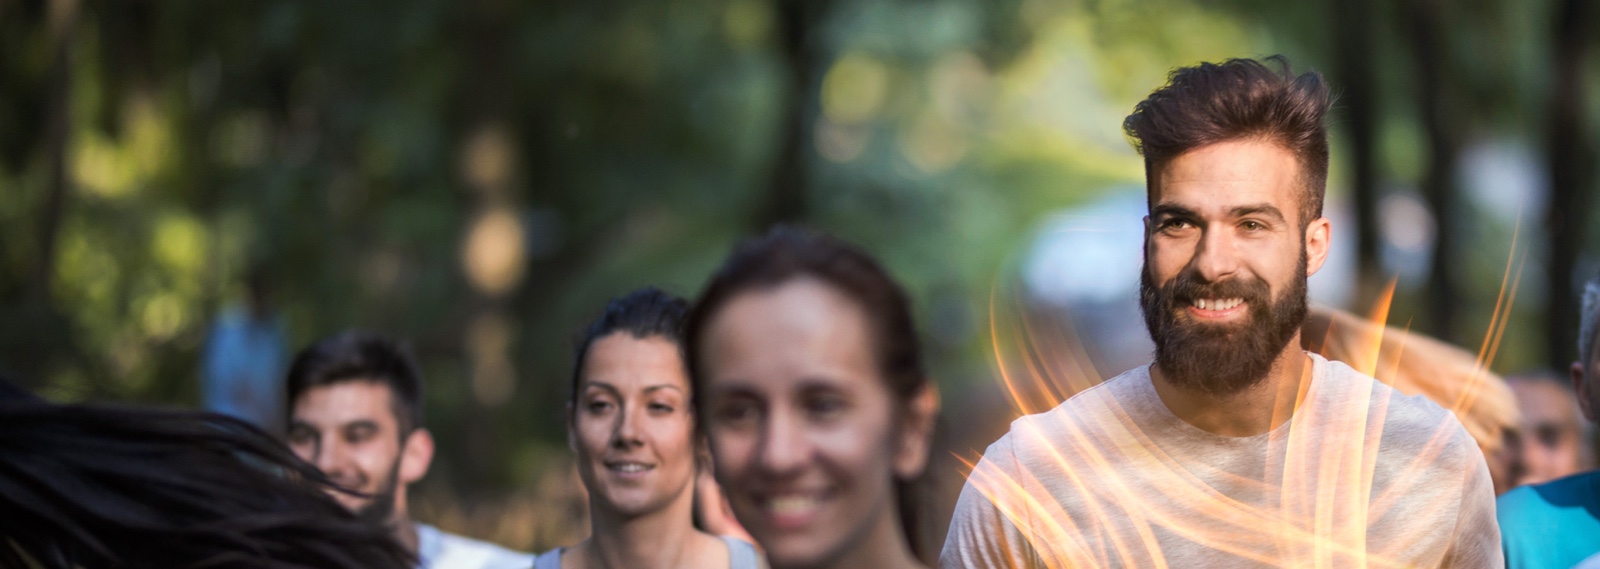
1171,210
361,423
1266,209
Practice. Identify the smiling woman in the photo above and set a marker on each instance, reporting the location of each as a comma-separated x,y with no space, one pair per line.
631,423
814,400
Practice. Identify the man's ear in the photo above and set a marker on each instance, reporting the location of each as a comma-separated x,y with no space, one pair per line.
416,456
1583,388
916,432
1318,233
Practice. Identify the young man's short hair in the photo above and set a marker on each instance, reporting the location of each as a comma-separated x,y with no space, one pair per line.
1238,99
361,356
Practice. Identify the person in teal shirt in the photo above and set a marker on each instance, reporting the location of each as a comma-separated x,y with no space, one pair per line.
1557,524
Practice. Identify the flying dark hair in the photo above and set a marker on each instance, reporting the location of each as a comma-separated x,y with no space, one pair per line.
361,356
92,486
788,253
1238,99
644,313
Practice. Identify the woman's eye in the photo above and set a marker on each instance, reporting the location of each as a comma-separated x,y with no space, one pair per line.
661,408
737,413
598,406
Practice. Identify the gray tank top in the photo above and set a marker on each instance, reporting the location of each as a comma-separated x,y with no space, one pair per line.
741,555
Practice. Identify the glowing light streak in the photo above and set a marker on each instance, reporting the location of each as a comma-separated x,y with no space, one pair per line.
1325,495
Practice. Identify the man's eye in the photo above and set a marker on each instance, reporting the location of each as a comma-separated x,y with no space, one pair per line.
825,407
301,436
1172,224
1253,226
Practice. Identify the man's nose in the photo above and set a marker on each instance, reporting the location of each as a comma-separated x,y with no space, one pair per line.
331,457
1217,256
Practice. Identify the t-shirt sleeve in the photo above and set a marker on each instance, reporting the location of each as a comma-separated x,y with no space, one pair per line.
1476,540
981,536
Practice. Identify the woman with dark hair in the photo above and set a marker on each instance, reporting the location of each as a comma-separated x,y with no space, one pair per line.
812,394
87,487
631,423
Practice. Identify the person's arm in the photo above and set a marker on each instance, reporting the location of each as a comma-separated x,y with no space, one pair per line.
1476,540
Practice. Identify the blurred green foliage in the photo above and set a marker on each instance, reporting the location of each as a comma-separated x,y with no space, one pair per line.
479,177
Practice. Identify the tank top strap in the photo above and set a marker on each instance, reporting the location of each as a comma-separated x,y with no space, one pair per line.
741,555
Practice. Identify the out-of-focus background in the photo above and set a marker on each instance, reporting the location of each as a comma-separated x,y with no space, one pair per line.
191,185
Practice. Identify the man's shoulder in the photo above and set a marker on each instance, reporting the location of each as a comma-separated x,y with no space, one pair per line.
1095,407
1407,419
456,551
1575,494
1552,524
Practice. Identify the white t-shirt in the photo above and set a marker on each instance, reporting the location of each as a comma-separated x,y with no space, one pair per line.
440,550
1111,478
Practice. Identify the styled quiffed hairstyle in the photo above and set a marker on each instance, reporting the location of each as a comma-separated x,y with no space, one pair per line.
99,486
645,313
788,253
1235,100
361,356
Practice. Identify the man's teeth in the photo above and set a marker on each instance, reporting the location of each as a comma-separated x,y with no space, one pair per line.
792,504
1217,303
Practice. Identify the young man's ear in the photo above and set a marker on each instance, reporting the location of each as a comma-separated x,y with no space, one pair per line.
416,455
1318,235
916,432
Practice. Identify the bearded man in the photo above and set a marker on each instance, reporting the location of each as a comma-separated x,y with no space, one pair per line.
1234,448
355,412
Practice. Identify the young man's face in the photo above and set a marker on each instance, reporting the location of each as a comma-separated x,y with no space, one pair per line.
350,432
1226,261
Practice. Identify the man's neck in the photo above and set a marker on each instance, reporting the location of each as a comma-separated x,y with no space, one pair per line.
1259,409
406,533
400,522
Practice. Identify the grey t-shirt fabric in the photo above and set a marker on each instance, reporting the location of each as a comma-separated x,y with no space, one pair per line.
741,555
1361,475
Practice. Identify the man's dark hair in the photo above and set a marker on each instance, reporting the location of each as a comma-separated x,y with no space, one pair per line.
91,486
645,313
361,356
1236,100
788,253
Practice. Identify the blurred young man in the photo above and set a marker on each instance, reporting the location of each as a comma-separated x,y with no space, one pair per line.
355,405
1234,448
1551,441
1557,524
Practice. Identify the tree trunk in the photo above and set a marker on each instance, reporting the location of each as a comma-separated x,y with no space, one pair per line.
798,21
1442,118
58,125
1358,85
1571,157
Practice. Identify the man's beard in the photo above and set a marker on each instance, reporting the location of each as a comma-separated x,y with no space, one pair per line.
381,507
1220,359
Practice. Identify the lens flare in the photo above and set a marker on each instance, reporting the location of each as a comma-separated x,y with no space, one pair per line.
1324,499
